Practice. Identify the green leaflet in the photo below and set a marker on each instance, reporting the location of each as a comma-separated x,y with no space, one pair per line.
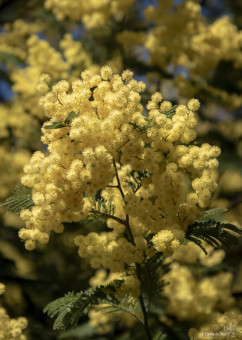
210,229
55,125
69,309
99,209
218,235
171,112
59,125
128,305
20,200
144,128
71,116
152,272
215,214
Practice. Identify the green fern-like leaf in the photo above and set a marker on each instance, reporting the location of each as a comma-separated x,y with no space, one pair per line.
101,210
69,309
65,310
170,113
218,235
215,214
128,305
152,272
20,200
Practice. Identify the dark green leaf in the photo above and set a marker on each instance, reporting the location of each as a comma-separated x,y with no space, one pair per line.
55,125
171,112
69,309
214,233
71,115
20,200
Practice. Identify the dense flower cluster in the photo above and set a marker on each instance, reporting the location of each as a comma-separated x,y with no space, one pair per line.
207,300
24,130
108,144
41,57
191,299
181,37
13,40
11,329
93,13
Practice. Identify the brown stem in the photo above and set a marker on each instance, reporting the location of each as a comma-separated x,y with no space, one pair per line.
138,267
118,180
120,147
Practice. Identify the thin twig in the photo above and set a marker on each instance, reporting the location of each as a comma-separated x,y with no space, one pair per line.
138,267
120,147
120,220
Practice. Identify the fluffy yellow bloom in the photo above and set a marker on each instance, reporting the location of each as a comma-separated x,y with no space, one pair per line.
180,36
14,163
191,298
107,145
11,329
93,13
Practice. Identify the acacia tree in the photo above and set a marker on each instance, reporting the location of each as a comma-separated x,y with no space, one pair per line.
122,172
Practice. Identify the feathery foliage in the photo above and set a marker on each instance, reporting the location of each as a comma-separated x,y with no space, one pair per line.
20,200
69,309
152,272
128,305
101,210
210,230
215,214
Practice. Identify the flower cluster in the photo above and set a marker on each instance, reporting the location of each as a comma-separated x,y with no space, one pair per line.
181,37
41,57
93,13
146,165
11,329
192,297
13,40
